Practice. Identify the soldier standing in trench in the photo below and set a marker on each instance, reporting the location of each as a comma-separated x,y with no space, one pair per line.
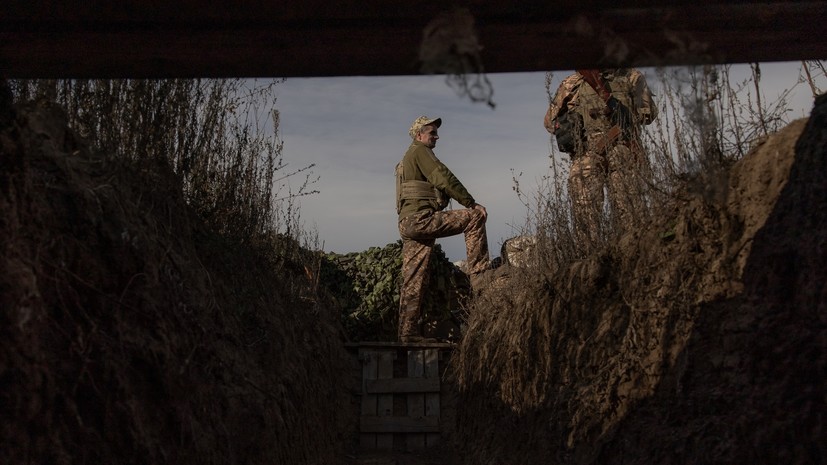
604,110
423,187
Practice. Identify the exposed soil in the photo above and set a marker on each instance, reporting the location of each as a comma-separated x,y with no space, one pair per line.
700,338
133,334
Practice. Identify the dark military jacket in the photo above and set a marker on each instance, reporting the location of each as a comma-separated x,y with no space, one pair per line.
420,164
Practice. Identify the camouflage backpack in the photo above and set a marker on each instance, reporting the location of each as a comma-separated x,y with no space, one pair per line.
569,131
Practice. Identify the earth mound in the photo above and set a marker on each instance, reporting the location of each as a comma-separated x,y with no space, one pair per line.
133,334
699,338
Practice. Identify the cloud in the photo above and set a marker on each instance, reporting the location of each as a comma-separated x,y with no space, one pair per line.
355,130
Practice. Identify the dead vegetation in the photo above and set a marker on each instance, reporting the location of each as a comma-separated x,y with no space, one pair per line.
220,137
652,346
140,328
154,311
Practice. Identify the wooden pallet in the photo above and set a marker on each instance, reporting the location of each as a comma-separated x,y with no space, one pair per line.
400,395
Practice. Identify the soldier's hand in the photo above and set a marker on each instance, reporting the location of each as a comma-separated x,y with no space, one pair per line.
612,104
620,116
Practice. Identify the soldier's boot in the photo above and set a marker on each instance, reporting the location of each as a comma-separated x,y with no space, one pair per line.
414,336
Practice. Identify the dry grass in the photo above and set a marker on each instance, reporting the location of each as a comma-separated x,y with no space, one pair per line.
709,119
568,349
134,334
219,136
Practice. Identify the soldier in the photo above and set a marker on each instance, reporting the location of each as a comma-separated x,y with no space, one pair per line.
423,187
596,116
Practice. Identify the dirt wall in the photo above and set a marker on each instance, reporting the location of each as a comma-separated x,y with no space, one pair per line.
132,334
695,339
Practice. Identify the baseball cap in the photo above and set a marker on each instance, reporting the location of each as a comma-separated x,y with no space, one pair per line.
423,121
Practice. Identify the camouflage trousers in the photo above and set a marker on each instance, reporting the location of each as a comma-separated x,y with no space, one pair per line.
621,171
419,232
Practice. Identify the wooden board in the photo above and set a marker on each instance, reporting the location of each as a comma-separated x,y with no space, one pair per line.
402,385
405,411
369,401
384,402
416,401
299,38
413,426
431,358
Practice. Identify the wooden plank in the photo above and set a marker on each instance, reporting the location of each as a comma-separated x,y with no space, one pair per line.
384,402
369,401
399,425
49,39
416,402
401,345
431,359
402,385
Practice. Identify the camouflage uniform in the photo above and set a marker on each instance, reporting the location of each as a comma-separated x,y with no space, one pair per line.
422,221
620,166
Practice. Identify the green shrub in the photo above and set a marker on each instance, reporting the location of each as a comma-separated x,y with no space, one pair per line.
366,286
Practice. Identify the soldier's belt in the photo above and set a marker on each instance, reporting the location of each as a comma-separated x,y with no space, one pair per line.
418,190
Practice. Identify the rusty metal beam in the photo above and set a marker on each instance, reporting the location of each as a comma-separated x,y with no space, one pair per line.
185,38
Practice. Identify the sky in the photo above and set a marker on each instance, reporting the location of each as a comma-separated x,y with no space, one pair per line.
355,130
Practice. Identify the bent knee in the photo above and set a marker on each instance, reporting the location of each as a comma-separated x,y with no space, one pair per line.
477,218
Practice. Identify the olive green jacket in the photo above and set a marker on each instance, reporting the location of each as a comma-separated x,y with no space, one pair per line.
420,164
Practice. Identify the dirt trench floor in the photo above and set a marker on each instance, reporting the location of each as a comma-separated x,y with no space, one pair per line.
444,455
